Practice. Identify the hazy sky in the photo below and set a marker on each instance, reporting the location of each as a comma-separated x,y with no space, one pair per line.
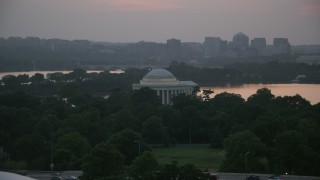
159,20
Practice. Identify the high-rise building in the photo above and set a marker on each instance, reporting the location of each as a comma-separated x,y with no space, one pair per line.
223,48
147,50
240,40
259,44
238,45
192,50
173,48
211,47
281,46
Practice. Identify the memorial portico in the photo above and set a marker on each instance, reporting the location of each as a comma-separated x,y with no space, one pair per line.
165,84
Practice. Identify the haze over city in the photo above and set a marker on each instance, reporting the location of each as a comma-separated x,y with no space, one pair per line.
159,20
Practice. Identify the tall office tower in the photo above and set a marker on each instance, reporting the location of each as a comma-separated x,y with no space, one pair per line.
281,46
259,44
212,47
240,40
173,48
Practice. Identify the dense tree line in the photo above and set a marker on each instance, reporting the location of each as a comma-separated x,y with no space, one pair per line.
81,129
281,133
77,84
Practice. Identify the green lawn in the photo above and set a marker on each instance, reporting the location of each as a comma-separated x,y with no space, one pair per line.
199,155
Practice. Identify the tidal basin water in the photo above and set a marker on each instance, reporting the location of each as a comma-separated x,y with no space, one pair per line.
310,92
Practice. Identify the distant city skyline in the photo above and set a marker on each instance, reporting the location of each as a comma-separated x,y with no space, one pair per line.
160,20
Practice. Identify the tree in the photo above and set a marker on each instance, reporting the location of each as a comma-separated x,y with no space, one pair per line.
243,116
169,171
236,146
103,161
81,99
154,131
293,154
221,127
10,80
144,167
262,98
171,119
127,142
123,119
295,102
194,125
216,140
143,112
190,172
20,99
87,122
23,78
76,146
226,102
311,130
34,157
69,90
63,159
117,100
267,127
145,95
55,106
181,101
56,76
189,117
37,78
77,74
47,126
206,94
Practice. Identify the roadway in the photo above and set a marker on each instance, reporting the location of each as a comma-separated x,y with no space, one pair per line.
241,176
46,175
222,176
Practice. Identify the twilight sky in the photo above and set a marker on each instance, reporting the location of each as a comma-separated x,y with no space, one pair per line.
159,20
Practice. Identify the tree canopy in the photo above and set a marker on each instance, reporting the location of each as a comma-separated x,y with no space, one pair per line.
281,133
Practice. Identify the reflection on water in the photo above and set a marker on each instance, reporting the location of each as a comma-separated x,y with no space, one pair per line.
310,92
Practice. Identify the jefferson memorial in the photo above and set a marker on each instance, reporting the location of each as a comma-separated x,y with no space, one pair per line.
165,84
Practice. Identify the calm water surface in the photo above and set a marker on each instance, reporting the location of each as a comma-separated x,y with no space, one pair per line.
310,92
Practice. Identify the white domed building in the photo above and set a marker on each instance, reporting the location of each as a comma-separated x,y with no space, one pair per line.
165,84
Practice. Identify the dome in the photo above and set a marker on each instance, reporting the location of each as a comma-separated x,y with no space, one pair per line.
159,74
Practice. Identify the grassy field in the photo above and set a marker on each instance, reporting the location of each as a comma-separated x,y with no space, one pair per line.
199,155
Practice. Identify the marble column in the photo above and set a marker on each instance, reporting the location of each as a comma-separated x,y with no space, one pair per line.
168,96
162,97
